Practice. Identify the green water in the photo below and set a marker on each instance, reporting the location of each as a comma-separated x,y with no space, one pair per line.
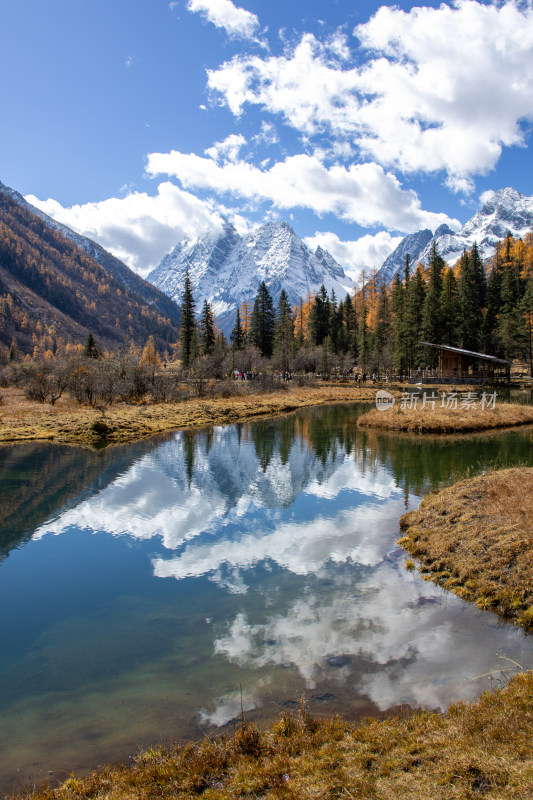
146,587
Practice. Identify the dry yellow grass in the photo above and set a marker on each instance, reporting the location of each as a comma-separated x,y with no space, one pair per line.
483,749
476,539
442,420
66,421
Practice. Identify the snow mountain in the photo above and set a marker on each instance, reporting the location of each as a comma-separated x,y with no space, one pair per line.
411,245
226,270
506,210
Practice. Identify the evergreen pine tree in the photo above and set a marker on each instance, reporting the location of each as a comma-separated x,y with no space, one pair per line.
399,309
262,322
432,313
89,349
511,328
489,330
471,292
449,308
237,337
416,293
334,322
13,351
188,338
350,326
207,330
527,310
283,332
319,317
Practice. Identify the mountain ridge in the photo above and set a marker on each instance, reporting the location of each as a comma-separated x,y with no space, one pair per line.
505,210
120,271
226,270
50,287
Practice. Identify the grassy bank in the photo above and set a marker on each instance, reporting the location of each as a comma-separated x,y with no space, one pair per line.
475,538
67,421
443,420
483,749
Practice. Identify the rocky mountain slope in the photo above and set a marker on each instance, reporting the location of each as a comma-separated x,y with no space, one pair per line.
506,210
226,270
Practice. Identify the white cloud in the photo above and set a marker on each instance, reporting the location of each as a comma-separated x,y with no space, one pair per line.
367,253
224,14
228,150
361,193
139,228
441,88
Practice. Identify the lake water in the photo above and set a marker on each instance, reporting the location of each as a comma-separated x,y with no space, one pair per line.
148,590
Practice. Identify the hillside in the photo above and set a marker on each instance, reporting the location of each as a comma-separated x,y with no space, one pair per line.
50,287
123,274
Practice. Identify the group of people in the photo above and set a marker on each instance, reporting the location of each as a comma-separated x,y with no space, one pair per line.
362,377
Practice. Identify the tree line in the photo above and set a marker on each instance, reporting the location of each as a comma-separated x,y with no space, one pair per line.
477,307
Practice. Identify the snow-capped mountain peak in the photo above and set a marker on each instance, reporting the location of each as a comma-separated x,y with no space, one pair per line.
502,211
226,270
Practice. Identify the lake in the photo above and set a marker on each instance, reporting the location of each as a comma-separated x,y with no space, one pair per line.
150,590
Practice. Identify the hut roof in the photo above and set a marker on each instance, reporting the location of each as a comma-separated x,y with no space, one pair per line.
471,353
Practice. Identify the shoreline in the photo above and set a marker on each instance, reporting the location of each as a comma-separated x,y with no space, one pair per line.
447,421
66,421
22,420
480,748
475,538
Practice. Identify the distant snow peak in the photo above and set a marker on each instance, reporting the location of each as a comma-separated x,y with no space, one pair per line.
502,211
227,270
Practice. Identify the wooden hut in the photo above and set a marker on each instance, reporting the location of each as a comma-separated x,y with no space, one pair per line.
466,366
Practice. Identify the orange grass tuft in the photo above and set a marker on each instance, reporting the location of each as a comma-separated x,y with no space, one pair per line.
442,420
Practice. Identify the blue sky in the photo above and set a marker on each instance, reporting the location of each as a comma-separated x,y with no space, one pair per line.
140,122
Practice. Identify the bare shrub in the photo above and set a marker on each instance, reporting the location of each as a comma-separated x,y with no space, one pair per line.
304,380
229,389
43,381
164,387
307,359
5,376
180,393
268,382
83,380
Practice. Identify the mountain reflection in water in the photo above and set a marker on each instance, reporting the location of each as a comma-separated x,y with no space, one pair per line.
158,578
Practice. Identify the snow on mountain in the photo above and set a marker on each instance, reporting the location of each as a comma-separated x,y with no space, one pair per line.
226,270
505,210
411,245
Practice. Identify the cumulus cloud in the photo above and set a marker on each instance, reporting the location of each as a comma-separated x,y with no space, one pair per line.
139,228
224,14
361,193
228,150
425,93
365,254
